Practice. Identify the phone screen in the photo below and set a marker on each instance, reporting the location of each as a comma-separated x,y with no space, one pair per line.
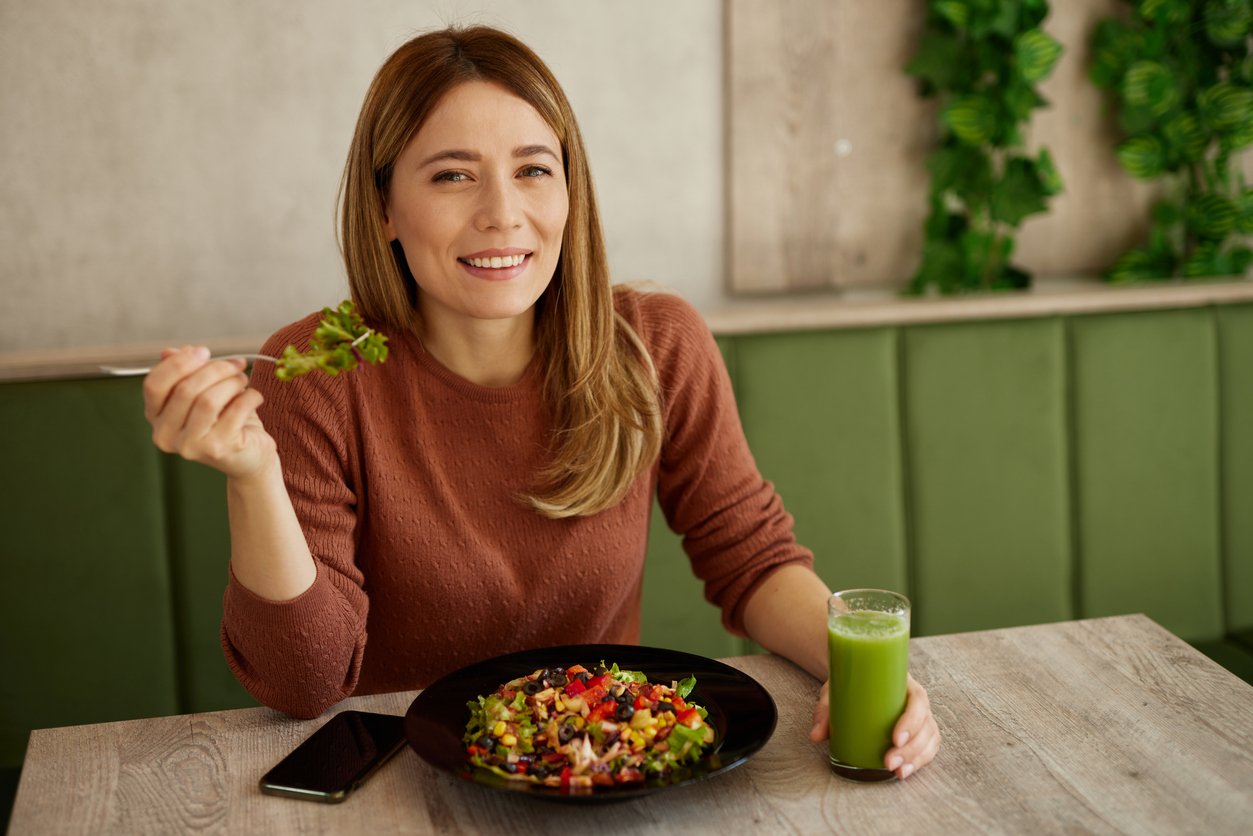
338,757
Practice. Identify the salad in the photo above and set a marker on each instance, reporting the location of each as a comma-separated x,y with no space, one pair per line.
578,728
341,339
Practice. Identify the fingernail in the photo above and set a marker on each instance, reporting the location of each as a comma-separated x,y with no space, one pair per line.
894,761
902,738
907,770
202,353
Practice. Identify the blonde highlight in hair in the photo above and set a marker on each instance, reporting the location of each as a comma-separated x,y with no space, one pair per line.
600,387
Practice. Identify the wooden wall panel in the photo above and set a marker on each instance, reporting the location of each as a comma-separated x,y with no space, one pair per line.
823,185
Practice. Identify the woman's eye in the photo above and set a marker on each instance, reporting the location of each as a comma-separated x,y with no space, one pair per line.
535,171
450,177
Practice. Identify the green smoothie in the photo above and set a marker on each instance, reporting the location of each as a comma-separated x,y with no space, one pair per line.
869,665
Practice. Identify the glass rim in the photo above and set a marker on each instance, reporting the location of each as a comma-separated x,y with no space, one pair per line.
902,601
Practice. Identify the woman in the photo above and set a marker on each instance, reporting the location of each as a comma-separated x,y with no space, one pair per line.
489,487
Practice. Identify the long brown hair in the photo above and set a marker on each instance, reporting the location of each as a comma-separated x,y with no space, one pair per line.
600,387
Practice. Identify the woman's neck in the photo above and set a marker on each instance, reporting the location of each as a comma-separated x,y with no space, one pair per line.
487,352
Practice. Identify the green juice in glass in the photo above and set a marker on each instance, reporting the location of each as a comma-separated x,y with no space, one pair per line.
869,665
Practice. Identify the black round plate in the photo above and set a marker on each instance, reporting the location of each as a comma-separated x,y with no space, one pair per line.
741,712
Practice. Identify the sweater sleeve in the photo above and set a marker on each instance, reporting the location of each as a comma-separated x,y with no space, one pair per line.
734,527
303,655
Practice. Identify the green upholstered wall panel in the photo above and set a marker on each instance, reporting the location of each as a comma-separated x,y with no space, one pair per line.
1235,363
986,446
674,612
85,621
200,548
820,412
1147,474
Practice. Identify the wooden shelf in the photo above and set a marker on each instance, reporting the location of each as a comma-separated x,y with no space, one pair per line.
1050,298
794,312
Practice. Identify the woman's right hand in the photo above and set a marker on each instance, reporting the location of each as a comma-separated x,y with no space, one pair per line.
205,412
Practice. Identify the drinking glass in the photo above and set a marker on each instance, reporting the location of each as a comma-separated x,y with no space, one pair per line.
868,638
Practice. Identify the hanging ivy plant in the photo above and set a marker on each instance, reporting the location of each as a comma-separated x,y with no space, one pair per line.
982,60
1183,77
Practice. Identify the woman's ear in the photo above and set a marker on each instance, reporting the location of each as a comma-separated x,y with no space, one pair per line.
389,229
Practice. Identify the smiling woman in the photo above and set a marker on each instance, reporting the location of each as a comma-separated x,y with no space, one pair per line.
401,522
494,211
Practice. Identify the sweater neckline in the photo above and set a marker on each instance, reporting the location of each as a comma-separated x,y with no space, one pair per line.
523,387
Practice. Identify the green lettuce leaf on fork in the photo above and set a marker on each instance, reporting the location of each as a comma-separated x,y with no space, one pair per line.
340,341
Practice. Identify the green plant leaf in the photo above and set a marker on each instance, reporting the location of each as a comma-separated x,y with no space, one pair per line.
1036,53
1211,216
1021,98
1151,86
1166,213
1019,193
1136,120
943,266
1139,265
1244,212
955,12
1004,19
986,255
1186,137
1142,156
1209,260
1013,279
972,119
1240,137
1115,46
941,224
962,169
1241,258
1033,12
1228,22
1165,12
1225,106
1050,179
939,62
1202,262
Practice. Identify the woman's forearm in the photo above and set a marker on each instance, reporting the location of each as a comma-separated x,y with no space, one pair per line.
787,615
269,555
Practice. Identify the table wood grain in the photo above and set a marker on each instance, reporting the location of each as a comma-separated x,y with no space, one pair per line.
1100,726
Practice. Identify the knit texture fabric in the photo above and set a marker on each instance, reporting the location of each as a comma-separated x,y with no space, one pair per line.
406,480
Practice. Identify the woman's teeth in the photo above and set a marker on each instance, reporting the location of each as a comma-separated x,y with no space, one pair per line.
496,261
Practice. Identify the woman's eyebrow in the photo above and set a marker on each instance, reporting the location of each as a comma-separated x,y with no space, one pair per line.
452,154
535,151
462,155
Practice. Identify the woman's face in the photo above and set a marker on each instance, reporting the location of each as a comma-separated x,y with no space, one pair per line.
478,202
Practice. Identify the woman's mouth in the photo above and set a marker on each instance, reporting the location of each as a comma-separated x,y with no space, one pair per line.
496,262
495,267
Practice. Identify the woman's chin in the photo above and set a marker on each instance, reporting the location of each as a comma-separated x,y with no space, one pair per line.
486,307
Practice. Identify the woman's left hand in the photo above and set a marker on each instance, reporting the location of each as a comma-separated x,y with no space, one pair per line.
915,739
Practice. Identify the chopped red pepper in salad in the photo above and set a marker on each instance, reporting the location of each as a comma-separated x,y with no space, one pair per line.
575,728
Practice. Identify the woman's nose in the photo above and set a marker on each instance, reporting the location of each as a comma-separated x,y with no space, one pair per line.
500,207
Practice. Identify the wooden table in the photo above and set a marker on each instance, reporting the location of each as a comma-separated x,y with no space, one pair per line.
1107,725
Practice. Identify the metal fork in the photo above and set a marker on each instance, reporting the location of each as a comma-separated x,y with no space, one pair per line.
131,371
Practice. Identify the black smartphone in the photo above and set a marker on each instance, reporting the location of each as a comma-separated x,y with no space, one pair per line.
337,758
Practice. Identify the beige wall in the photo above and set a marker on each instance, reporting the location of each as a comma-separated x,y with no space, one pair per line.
169,168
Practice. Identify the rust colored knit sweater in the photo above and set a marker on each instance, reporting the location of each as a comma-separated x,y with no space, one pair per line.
404,478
